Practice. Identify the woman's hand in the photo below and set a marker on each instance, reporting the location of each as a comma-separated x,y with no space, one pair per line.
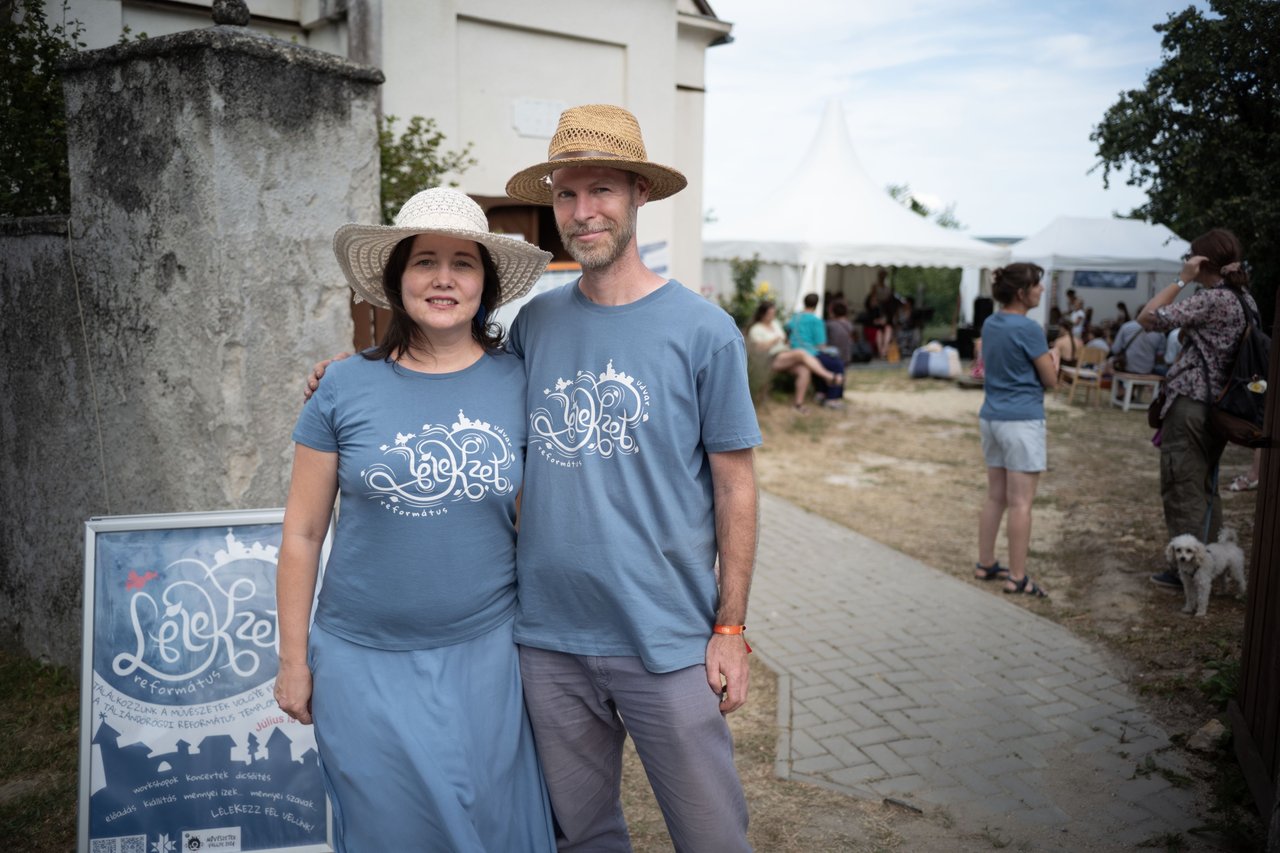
1191,268
293,691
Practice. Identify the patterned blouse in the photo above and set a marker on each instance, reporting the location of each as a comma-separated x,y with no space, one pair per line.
1210,324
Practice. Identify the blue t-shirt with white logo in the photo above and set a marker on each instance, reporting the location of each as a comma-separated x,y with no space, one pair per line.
1010,343
617,542
429,466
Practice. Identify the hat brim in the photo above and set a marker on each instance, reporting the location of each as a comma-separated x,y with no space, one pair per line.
363,252
528,184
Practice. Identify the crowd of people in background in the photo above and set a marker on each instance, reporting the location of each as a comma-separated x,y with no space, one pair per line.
815,348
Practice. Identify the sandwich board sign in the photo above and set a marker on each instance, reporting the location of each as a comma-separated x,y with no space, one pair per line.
182,746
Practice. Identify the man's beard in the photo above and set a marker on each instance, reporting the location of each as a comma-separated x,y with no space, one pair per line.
601,253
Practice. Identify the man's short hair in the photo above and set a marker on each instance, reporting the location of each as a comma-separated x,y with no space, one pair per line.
811,300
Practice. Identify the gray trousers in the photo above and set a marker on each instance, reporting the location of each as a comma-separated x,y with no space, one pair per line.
582,709
1189,454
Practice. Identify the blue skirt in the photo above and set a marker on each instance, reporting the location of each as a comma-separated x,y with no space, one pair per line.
428,749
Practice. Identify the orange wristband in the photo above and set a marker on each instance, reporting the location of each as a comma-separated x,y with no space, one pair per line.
738,630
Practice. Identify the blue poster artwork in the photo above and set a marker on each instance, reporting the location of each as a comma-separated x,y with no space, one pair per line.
188,750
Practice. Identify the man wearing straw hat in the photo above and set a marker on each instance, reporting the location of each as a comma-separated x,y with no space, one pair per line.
638,516
638,477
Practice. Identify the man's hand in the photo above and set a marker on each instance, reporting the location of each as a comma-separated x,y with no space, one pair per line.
317,373
727,670
293,691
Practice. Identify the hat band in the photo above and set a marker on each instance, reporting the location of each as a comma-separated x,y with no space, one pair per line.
595,155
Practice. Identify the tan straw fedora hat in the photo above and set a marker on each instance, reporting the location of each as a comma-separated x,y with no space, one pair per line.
595,135
363,250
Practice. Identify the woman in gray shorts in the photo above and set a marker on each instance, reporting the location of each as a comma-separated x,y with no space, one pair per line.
1019,367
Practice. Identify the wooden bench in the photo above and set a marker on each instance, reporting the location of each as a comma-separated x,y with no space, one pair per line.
1132,382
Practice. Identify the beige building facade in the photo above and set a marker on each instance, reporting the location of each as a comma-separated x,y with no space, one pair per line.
496,74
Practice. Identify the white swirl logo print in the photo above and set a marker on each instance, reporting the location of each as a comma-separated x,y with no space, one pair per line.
437,465
189,625
593,414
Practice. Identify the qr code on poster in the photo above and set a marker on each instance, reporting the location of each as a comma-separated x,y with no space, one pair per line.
123,844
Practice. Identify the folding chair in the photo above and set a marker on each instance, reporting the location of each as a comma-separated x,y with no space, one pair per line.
1087,373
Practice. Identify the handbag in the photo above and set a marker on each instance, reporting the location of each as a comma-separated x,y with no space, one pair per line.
1154,417
1118,360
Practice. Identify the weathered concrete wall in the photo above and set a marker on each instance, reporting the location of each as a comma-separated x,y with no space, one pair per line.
50,472
209,171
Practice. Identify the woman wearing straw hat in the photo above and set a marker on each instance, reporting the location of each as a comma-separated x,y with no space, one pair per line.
409,671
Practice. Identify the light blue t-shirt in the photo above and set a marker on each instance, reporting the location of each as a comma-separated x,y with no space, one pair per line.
808,332
429,466
1010,343
617,529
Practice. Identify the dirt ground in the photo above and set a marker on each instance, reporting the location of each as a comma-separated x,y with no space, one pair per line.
902,465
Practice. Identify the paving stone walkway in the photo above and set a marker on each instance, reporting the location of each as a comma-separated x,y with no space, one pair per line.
897,680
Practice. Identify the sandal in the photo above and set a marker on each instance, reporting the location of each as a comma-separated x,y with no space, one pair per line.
1026,586
1243,484
993,572
801,408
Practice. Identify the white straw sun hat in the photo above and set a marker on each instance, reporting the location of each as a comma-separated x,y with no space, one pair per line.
363,250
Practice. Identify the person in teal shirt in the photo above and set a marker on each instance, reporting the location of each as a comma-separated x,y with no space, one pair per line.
809,333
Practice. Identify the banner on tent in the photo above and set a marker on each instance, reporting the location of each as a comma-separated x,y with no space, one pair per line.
1109,280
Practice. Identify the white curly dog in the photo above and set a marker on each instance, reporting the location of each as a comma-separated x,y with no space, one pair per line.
1199,565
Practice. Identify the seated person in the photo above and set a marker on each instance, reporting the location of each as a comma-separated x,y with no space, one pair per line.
766,336
1143,351
1172,348
810,335
908,328
1067,345
840,331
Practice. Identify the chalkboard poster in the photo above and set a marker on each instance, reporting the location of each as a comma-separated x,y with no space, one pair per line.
182,747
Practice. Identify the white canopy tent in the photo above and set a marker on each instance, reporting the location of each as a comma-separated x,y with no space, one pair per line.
1135,257
831,217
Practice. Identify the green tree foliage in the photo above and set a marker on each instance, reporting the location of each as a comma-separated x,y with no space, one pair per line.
414,161
1202,138
33,126
742,303
932,287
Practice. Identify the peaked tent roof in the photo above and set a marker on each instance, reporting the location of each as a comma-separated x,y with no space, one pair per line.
830,211
1120,245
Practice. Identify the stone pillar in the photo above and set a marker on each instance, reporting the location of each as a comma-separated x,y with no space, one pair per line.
209,170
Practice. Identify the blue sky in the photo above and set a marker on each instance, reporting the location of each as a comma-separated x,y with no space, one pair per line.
987,104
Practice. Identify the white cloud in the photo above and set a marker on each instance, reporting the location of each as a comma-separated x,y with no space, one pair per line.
987,105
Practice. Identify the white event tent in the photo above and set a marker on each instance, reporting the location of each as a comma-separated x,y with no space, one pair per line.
1071,249
830,226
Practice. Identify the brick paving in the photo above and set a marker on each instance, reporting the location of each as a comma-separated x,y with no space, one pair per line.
897,680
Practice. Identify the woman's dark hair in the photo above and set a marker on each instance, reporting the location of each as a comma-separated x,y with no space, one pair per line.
1124,311
761,310
402,331
1007,282
1220,247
